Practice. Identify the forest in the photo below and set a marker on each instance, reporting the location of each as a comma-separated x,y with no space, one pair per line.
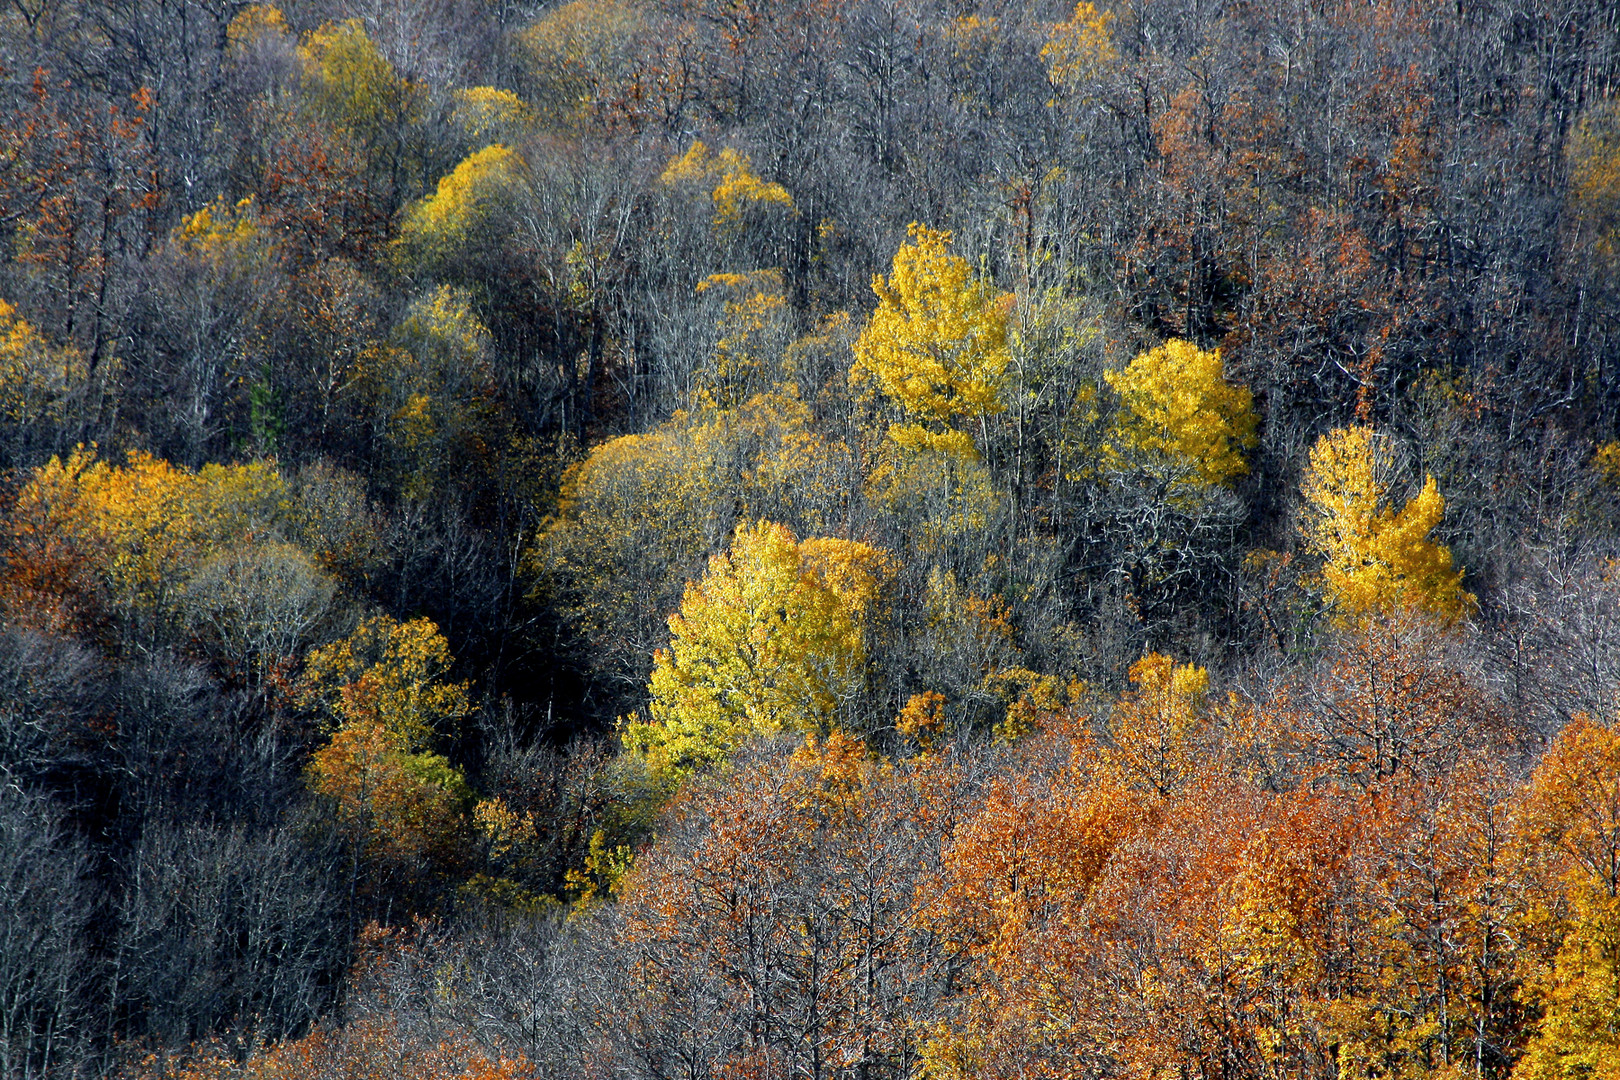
810,540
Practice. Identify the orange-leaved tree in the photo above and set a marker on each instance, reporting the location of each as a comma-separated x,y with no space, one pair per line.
1569,822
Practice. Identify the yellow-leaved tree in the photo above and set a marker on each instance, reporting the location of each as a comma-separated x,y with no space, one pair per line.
1375,558
1179,419
1594,179
1081,48
143,528
1569,823
445,228
770,640
733,185
352,86
37,380
1152,743
937,343
399,805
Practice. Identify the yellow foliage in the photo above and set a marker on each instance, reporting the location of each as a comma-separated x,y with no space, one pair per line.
603,875
935,482
503,830
769,640
575,52
1375,557
923,718
36,378
732,183
224,233
431,390
399,807
1180,418
487,113
1152,727
1606,460
1080,49
937,343
667,492
149,524
389,675
353,86
1594,176
441,225
397,802
754,313
255,22
1570,815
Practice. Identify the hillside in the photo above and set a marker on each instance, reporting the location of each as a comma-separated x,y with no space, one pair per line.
810,538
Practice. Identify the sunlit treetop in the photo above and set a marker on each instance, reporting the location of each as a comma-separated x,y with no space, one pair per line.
1180,418
228,235
444,223
753,327
390,674
149,523
489,114
1081,48
731,181
937,343
353,86
769,640
254,23
1568,818
1375,557
1593,150
1151,727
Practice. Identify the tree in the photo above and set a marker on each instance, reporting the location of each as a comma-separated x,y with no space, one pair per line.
351,86
399,806
1179,418
1569,818
455,226
125,539
732,183
792,894
937,343
38,382
639,515
45,909
1153,729
769,640
1375,557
